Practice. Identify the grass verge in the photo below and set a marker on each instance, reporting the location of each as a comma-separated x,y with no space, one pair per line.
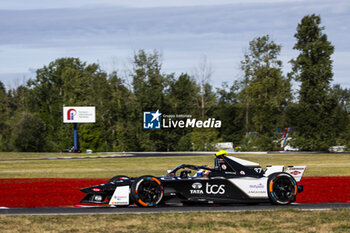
317,165
263,221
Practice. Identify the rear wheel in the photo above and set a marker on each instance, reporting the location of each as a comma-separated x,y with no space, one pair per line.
282,188
147,191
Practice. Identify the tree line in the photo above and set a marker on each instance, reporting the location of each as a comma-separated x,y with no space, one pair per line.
251,109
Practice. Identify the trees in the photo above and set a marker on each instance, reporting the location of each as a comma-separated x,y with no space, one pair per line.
55,85
4,115
204,139
228,110
120,126
264,92
69,81
183,95
148,82
341,115
29,134
314,122
205,98
149,86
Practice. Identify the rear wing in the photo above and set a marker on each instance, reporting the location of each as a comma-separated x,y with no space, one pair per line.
296,171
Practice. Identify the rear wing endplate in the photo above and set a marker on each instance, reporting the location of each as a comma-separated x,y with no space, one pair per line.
296,171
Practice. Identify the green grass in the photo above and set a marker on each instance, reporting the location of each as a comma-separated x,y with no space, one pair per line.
317,165
29,155
262,221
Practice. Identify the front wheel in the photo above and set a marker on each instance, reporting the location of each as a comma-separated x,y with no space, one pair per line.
282,188
147,191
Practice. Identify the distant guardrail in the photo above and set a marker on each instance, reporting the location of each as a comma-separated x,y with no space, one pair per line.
178,153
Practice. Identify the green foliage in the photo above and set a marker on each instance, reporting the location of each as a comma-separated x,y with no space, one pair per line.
91,137
204,139
314,122
229,111
149,89
148,82
29,133
258,143
341,116
265,92
185,144
4,113
183,95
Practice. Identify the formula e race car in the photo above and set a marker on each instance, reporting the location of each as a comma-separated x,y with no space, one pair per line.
232,180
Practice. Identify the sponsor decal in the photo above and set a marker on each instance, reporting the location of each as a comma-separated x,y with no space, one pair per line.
295,168
223,167
153,120
96,189
257,186
215,189
196,185
295,173
197,191
209,189
242,173
118,198
257,191
197,188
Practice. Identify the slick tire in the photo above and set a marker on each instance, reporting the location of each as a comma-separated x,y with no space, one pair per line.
117,178
282,188
147,191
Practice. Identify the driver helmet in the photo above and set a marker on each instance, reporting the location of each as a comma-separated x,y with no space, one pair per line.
200,173
203,172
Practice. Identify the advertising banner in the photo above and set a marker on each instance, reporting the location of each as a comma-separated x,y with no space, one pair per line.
79,115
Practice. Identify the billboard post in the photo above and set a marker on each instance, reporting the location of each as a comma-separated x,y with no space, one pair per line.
75,136
77,115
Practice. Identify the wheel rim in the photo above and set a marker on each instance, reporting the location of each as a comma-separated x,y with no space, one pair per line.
283,189
149,191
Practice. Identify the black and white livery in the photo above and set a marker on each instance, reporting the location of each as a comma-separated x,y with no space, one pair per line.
232,180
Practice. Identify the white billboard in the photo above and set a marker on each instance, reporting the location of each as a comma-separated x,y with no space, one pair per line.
79,115
224,145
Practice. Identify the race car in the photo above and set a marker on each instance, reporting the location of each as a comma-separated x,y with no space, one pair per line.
231,180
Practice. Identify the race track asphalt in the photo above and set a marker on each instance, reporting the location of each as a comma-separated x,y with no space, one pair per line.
138,210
